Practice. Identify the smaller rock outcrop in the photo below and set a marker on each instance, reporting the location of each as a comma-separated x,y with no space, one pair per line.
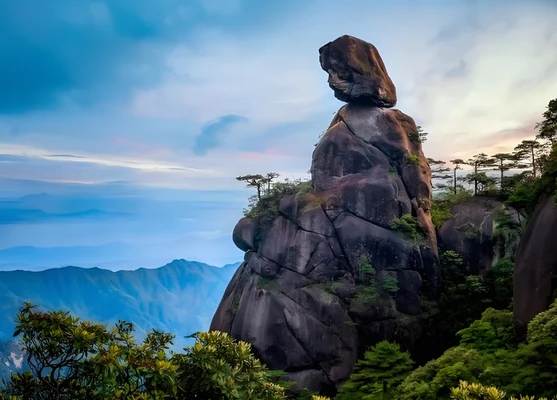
357,73
473,232
535,271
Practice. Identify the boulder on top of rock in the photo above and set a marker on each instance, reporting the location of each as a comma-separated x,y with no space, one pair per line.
357,73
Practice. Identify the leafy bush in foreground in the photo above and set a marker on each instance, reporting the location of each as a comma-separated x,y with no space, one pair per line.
70,359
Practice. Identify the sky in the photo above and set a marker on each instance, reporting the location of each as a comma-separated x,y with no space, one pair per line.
130,119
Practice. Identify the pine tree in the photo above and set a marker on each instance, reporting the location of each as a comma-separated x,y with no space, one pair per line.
457,163
504,162
479,163
375,376
528,150
439,172
547,129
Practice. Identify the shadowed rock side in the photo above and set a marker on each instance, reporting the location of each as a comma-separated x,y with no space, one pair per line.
299,297
472,232
535,271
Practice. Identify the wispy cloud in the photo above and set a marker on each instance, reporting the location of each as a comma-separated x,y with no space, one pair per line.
160,105
212,134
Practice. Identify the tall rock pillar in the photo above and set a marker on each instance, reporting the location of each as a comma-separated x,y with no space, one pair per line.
347,264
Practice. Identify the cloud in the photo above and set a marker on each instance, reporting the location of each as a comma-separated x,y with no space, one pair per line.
86,52
63,156
211,134
465,71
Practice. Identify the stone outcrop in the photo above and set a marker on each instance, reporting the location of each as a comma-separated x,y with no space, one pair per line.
473,232
357,73
303,297
535,271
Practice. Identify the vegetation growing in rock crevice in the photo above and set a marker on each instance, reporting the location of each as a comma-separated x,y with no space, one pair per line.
444,201
409,229
506,233
412,159
371,285
265,209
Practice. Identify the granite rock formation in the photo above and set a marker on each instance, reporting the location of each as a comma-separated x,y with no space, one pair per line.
357,73
302,297
473,232
535,271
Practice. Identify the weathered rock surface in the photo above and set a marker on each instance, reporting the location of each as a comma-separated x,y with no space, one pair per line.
472,232
535,271
299,297
357,73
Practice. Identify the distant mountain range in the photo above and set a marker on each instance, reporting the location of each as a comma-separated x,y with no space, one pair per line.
116,255
179,298
17,216
12,359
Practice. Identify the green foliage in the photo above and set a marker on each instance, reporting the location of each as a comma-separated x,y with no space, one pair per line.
366,294
547,128
418,136
477,391
464,296
218,367
408,228
443,202
388,283
371,285
381,370
306,394
481,181
544,325
521,191
435,379
489,353
506,233
366,272
495,330
71,359
413,159
502,283
265,209
470,230
528,191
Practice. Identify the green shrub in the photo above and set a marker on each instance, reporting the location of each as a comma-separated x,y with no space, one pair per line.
413,159
388,283
74,359
443,202
266,209
376,376
408,228
470,230
366,272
